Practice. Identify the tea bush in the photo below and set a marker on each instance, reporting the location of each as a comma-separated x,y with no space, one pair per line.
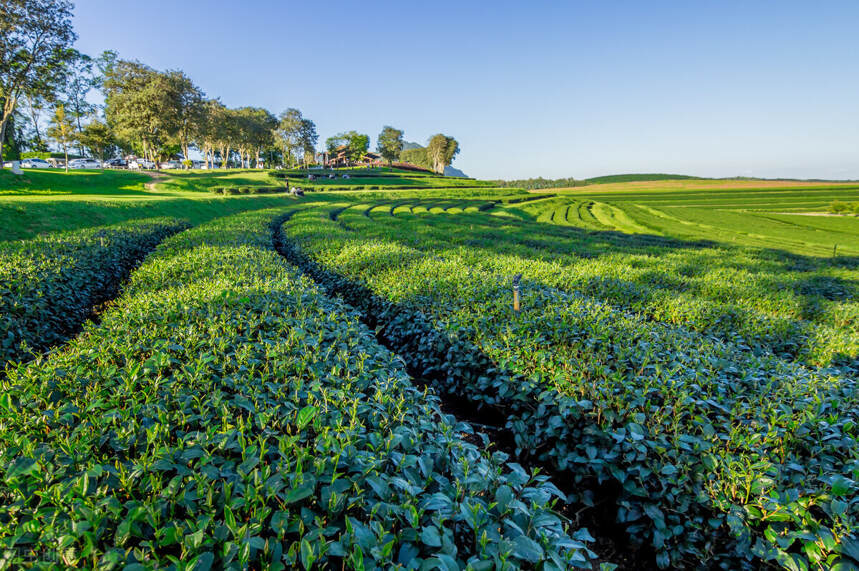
718,454
50,284
799,309
226,413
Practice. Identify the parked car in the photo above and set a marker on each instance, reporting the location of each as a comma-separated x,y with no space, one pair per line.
84,164
35,164
171,165
141,164
116,163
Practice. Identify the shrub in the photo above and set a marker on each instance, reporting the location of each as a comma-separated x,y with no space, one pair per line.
49,285
226,413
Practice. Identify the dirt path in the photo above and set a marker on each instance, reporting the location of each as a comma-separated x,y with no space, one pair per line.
156,176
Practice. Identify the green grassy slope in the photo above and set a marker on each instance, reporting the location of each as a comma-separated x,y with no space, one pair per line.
781,215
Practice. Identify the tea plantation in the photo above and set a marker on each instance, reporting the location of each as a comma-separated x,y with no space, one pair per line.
200,379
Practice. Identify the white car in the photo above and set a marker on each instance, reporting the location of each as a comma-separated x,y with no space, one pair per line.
35,164
141,164
84,164
170,165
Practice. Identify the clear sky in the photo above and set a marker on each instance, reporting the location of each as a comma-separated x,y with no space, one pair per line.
712,88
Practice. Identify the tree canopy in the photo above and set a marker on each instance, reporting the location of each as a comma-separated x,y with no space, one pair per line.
390,143
441,150
37,36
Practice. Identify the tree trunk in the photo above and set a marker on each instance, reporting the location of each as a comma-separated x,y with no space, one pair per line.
2,139
66,152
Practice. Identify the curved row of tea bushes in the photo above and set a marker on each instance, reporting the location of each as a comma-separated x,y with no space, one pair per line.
259,189
227,414
49,285
808,313
717,455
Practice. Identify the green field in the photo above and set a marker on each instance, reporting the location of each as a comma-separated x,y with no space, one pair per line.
782,215
339,380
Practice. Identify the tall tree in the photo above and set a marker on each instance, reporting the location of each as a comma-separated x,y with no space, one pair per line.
441,150
80,78
35,45
227,133
255,131
187,101
62,130
390,144
97,138
288,134
141,106
308,139
206,130
34,104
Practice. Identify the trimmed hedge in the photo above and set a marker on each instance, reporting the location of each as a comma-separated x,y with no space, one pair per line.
49,285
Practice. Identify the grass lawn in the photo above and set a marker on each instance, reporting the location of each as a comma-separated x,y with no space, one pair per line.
203,180
42,201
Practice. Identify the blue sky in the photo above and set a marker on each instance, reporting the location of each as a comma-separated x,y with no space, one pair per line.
553,89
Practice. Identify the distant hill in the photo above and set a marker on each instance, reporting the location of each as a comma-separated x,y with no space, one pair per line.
638,177
540,182
451,171
409,145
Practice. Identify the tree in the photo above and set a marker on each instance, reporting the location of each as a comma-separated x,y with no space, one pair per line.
390,144
142,106
62,130
35,45
206,130
308,139
357,146
333,142
34,105
187,101
416,156
288,134
441,150
14,138
227,127
98,139
255,131
80,78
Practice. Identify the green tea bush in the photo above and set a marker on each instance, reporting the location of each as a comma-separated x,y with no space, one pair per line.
227,414
717,454
804,310
259,189
49,285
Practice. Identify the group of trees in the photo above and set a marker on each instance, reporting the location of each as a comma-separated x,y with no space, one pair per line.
154,114
439,153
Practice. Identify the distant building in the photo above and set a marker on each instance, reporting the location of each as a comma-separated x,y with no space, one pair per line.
339,158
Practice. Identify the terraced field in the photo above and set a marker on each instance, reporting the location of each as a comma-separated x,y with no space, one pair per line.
782,215
340,380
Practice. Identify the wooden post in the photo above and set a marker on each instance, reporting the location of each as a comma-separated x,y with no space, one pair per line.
516,279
